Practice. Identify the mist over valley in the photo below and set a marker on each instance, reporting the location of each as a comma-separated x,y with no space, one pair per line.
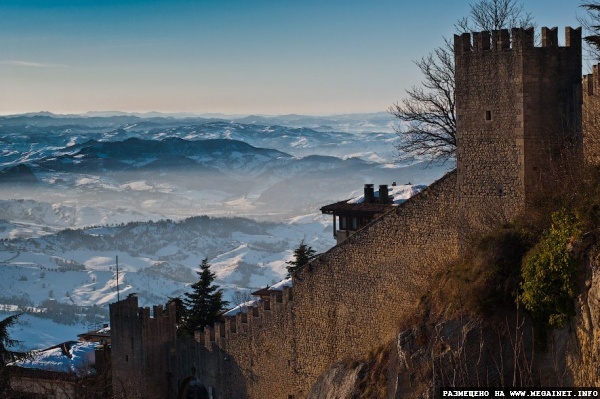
163,193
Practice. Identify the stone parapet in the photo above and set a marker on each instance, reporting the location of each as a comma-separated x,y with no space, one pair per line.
515,39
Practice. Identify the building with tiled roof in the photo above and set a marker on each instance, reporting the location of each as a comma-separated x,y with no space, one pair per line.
352,214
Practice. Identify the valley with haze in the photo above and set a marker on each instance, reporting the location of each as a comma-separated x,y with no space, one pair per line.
162,192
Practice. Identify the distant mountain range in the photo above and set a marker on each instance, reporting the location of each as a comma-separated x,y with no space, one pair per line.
356,123
36,136
162,168
76,191
245,255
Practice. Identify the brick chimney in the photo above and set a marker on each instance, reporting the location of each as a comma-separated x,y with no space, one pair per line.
369,194
383,194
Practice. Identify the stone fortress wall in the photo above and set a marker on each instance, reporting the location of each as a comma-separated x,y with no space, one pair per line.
591,116
340,305
518,107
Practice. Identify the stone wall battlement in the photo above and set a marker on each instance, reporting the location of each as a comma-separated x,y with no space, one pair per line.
517,106
591,82
515,39
143,343
244,324
129,309
268,316
157,312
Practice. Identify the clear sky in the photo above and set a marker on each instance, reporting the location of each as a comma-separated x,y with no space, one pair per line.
229,56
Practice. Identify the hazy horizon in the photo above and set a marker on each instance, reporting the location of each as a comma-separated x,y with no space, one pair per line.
230,57
186,114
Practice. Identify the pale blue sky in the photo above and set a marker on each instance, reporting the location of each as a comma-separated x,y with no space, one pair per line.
230,56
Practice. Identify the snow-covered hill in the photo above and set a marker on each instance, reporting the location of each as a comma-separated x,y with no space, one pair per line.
76,192
157,259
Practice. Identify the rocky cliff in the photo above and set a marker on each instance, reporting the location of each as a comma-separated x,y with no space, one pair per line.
445,347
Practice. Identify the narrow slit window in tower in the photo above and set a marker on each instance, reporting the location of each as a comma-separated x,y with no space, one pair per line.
488,115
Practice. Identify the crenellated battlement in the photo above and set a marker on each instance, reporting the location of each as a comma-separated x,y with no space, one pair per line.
518,106
591,82
248,321
516,39
144,340
129,309
518,132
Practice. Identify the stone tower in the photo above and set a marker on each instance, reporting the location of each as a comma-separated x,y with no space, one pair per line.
518,112
141,348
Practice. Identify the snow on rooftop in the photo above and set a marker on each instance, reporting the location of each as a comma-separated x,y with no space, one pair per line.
283,283
104,330
78,358
398,193
242,308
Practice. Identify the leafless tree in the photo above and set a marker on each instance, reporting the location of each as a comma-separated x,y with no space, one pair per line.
427,114
241,297
488,15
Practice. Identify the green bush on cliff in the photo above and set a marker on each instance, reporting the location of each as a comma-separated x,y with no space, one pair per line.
548,274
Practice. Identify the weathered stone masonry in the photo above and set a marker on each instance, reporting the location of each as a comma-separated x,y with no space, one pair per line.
336,310
518,108
518,117
591,115
144,344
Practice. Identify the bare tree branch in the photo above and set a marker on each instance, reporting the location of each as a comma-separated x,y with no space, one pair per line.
427,114
488,15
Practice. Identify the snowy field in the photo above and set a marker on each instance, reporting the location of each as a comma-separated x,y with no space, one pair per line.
96,189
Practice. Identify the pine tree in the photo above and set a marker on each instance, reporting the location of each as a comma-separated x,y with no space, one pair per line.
5,341
302,255
205,303
6,355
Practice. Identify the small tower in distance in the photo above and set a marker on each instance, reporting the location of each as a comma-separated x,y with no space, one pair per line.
518,112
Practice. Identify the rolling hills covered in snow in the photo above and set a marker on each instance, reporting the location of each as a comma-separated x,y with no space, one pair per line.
162,193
